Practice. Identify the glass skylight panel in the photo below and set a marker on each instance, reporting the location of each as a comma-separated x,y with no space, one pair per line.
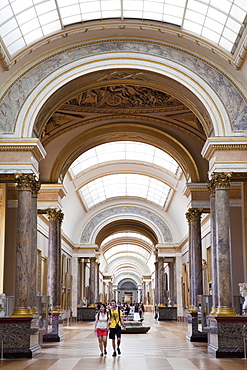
125,151
119,185
127,235
131,249
187,14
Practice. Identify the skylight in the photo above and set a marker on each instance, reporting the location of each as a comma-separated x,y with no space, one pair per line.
126,235
126,250
125,151
120,185
24,22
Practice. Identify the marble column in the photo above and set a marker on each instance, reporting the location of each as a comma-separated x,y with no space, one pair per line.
195,254
54,282
161,281
196,278
82,269
92,282
211,188
110,296
23,245
33,271
54,257
97,293
144,294
191,258
171,281
156,297
223,245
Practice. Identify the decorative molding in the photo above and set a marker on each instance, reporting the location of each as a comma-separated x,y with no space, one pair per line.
232,97
229,146
47,137
237,61
127,97
164,229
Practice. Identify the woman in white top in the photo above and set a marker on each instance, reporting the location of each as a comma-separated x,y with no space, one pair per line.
101,328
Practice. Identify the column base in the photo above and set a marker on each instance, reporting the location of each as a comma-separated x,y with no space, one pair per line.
167,313
20,336
226,312
50,338
21,312
56,334
213,311
86,313
194,335
197,337
226,336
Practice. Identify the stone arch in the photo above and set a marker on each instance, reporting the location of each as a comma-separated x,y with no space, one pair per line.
25,96
98,222
93,137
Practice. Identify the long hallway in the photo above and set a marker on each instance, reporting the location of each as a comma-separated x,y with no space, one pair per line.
163,347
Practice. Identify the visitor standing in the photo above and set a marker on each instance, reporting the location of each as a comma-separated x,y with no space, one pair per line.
116,325
101,328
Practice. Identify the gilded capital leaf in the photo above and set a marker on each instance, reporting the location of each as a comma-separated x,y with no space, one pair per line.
25,181
55,214
193,214
221,180
211,187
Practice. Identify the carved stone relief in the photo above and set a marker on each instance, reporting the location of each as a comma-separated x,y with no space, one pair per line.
123,96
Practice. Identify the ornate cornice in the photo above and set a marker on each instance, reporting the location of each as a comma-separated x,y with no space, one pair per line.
229,146
23,145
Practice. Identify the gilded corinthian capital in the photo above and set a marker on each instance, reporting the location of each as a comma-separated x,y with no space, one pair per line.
55,214
211,187
221,180
193,214
25,181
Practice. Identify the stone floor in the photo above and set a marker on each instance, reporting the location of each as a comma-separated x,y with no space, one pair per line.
163,347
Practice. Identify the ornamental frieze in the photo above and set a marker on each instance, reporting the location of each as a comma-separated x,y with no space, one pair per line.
127,98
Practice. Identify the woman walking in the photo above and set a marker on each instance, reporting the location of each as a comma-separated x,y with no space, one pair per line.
101,328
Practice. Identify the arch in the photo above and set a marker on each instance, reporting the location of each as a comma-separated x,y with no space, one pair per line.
128,131
127,281
118,226
22,101
145,217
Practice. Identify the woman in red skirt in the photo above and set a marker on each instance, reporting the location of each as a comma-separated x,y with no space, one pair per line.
101,328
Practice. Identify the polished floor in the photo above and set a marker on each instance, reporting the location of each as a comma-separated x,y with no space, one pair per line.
164,347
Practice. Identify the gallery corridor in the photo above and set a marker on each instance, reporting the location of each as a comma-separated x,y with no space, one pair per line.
164,347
